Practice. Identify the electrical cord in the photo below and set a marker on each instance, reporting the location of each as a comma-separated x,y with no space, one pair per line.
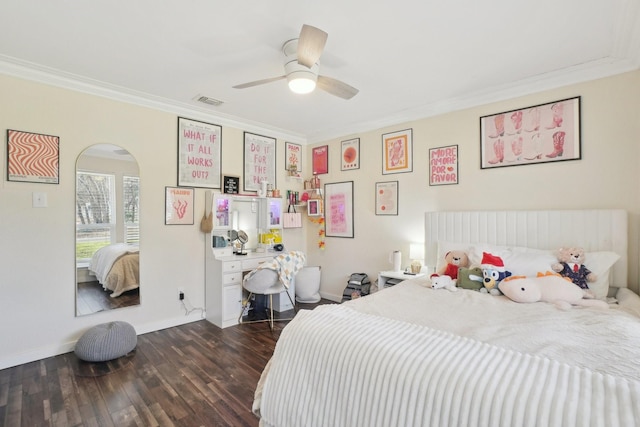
188,311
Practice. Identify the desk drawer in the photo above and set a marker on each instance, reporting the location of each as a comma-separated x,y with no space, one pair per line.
230,266
232,278
252,264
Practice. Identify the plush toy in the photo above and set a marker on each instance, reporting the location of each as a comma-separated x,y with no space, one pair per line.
446,282
548,287
470,278
493,272
571,265
455,260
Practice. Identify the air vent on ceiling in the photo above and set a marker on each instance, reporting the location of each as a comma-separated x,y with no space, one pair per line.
207,100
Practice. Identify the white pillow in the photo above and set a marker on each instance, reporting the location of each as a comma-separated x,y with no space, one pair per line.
520,261
600,264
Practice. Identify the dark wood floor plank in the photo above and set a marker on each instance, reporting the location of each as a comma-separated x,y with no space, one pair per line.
193,375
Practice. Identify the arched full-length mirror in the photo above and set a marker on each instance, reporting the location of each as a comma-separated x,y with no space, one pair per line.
107,229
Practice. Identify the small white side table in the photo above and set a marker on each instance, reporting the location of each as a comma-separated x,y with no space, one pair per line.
383,276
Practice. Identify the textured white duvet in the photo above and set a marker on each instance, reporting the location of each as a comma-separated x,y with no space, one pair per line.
410,355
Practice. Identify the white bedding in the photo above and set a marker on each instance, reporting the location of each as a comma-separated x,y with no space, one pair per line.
410,355
126,276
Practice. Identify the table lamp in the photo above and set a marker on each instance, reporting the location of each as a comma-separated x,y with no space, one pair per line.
416,254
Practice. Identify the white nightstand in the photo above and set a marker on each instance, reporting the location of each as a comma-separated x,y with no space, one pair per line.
383,276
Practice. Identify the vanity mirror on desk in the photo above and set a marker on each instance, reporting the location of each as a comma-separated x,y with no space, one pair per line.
225,269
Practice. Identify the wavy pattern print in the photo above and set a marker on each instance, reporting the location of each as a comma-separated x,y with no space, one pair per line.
32,157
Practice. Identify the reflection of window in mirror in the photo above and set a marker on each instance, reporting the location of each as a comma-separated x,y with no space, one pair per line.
107,229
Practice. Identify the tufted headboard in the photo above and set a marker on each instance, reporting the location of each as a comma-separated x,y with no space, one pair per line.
594,230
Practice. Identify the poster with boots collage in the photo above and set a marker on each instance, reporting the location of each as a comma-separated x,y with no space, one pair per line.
538,134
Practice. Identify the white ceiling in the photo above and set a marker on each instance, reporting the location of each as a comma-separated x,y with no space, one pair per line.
409,59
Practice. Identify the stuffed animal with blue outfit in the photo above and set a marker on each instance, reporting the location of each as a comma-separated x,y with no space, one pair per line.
571,265
493,272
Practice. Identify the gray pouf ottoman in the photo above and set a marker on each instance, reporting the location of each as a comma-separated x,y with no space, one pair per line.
107,341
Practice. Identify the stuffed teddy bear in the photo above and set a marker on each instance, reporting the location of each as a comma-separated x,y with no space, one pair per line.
446,282
548,287
493,272
455,260
470,278
571,265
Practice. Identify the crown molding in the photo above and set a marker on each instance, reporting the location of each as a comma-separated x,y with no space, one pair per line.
581,73
34,72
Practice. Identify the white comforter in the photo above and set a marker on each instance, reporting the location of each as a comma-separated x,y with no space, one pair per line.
417,356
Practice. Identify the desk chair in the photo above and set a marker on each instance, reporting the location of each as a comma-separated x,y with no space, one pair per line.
273,278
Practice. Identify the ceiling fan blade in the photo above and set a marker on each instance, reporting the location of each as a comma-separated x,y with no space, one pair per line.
310,45
259,82
336,87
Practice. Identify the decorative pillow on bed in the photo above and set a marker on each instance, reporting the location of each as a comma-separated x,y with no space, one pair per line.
520,261
600,264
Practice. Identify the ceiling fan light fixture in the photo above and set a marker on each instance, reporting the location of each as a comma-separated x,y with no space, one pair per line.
302,82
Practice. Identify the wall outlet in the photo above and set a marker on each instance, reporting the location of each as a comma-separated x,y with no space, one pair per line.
180,294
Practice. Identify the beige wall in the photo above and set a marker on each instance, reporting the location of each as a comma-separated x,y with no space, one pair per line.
607,177
37,250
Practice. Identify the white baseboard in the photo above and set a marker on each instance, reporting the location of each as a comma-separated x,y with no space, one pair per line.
8,361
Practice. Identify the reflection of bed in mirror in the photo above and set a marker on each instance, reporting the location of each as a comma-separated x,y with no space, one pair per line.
116,268
107,212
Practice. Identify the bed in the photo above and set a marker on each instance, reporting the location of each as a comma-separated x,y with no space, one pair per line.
116,268
411,355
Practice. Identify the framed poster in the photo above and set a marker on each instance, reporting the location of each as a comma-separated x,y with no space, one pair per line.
387,198
199,154
443,165
33,157
230,184
293,158
259,161
314,207
397,152
539,134
350,158
320,156
178,206
338,212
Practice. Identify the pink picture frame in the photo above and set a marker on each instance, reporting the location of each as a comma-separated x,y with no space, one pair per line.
320,160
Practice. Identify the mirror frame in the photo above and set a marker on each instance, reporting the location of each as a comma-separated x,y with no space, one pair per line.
104,159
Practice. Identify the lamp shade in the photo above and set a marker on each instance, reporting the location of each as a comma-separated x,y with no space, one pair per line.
416,251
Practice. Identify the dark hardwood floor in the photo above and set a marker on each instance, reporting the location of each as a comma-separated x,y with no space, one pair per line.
92,298
191,375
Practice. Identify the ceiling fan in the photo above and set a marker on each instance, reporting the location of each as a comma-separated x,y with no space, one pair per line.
302,64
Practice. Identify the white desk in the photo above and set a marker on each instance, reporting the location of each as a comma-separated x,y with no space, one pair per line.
224,272
383,276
